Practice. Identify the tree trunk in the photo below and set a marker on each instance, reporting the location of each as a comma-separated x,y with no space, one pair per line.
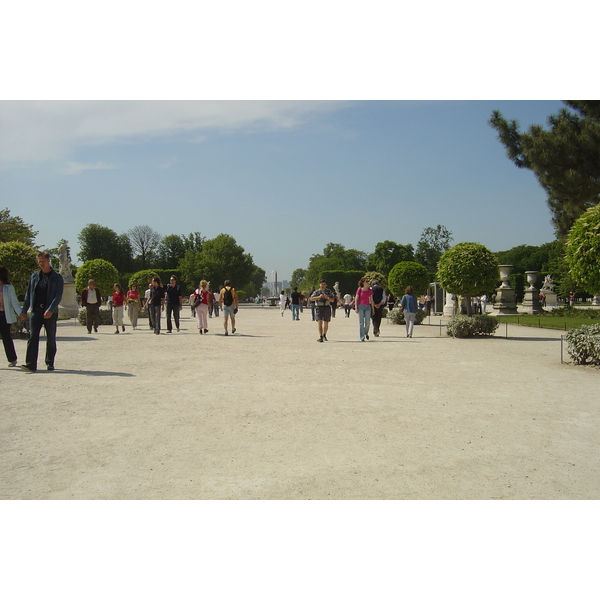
468,305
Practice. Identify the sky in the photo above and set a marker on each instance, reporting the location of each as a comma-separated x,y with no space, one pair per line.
284,178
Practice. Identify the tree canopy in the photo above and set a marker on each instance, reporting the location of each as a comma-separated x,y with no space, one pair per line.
583,250
468,269
101,271
408,273
387,254
97,241
14,229
220,258
564,158
144,242
433,243
21,261
335,257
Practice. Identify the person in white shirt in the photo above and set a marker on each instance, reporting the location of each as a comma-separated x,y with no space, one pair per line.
91,300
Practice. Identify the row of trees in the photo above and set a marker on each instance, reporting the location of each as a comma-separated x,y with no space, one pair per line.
192,256
433,243
139,248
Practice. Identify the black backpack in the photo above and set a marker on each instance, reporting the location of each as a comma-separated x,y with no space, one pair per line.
228,297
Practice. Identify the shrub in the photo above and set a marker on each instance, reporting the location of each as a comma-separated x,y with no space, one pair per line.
379,277
583,344
462,326
408,273
396,317
583,249
105,316
141,280
21,261
101,271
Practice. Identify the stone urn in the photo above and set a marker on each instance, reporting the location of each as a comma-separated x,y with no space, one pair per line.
505,295
531,300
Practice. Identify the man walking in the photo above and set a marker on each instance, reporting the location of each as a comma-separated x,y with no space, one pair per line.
379,304
322,299
91,300
228,302
43,295
174,299
295,305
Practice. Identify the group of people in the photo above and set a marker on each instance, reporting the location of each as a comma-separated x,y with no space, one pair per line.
44,294
368,302
203,301
45,289
158,299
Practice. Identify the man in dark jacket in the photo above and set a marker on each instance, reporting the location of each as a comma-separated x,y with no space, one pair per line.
379,300
44,293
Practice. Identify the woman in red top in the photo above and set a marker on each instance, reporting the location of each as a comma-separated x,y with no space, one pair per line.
133,305
363,305
118,300
205,298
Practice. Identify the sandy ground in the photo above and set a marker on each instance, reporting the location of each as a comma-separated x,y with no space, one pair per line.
269,413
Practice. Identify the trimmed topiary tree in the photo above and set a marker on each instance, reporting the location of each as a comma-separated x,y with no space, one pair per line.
378,277
140,278
21,261
101,271
583,250
408,273
468,269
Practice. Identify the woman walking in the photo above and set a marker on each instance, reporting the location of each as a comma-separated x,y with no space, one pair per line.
118,299
156,303
409,308
201,298
363,305
10,309
133,305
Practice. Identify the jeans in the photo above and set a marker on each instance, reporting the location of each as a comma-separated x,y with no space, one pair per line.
295,312
364,319
155,312
172,309
36,322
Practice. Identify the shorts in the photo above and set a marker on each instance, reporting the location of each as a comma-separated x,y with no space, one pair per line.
228,311
323,313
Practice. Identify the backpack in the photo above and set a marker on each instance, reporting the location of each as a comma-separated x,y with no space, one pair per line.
198,300
228,296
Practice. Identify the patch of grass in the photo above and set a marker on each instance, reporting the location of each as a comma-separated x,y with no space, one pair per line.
546,321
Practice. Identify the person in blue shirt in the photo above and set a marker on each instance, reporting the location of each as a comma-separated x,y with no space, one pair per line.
409,308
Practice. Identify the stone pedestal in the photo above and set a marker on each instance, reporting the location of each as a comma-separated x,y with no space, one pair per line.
596,300
68,306
531,300
505,295
550,300
449,305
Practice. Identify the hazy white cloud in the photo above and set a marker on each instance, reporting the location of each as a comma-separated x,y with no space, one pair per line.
167,163
32,131
73,168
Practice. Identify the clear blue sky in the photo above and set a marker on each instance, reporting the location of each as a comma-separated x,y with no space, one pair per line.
283,178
